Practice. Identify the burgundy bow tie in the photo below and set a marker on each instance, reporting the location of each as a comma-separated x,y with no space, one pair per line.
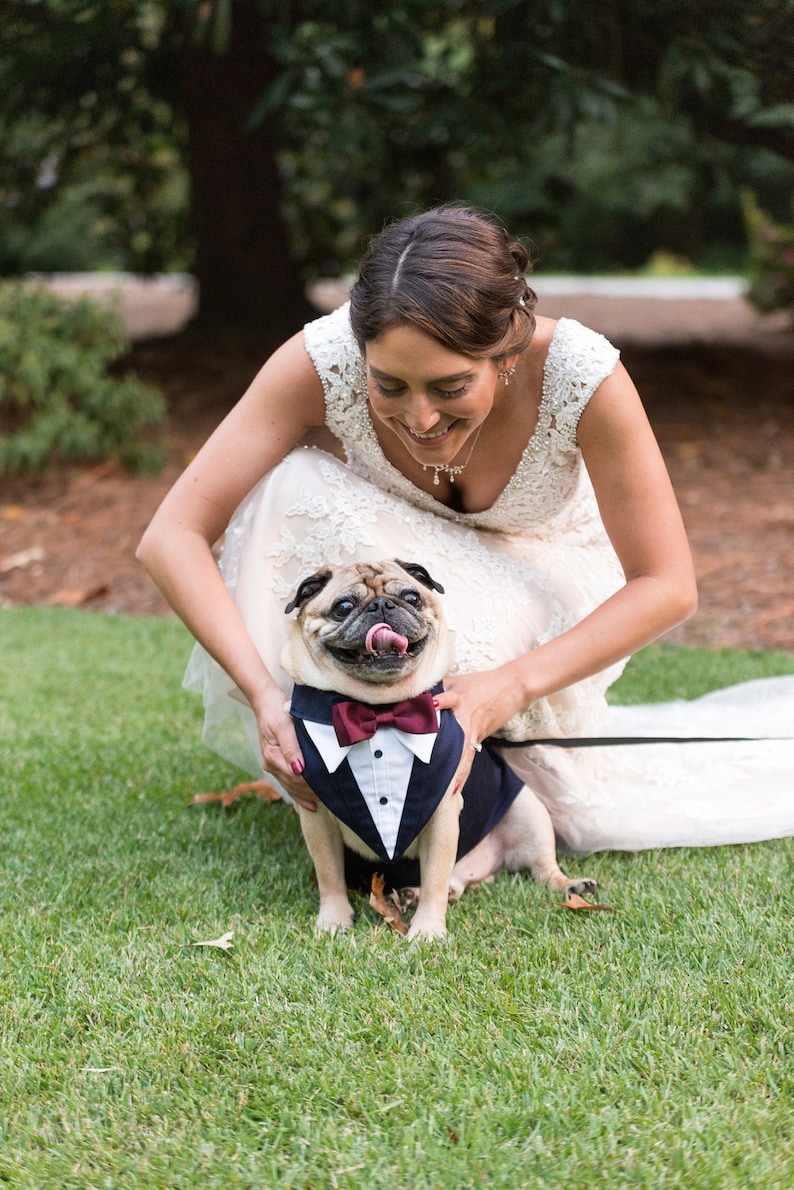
354,721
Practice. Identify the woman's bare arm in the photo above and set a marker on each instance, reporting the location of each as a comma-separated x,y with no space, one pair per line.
282,403
642,519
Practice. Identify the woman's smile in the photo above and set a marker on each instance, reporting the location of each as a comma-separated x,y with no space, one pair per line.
432,436
431,397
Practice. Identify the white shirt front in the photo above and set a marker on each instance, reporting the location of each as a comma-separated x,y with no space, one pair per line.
382,768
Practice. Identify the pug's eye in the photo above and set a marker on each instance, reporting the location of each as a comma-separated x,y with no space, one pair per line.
412,597
342,609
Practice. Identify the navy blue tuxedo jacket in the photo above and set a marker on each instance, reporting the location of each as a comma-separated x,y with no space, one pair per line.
487,795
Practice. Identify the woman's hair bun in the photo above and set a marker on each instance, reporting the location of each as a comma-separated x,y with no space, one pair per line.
453,273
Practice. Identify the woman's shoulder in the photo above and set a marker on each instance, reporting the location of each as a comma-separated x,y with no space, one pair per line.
576,355
333,328
334,352
568,334
577,360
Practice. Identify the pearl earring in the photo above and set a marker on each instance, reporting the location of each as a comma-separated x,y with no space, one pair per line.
506,374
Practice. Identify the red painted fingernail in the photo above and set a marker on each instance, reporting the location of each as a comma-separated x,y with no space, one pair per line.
297,766
435,702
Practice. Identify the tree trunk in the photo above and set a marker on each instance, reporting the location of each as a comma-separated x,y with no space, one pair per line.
243,264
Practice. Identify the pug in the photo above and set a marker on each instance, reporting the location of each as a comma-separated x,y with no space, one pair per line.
367,650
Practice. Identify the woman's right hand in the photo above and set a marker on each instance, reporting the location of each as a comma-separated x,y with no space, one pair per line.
281,754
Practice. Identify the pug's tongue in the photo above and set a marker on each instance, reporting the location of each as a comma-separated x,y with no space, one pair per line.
383,639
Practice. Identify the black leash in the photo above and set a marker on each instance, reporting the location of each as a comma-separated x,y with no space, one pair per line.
604,741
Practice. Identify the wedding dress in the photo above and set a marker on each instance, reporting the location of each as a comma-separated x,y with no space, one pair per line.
515,575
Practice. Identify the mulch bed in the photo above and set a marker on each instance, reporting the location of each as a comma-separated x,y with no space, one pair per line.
724,417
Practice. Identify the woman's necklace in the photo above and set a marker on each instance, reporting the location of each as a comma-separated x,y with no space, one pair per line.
452,471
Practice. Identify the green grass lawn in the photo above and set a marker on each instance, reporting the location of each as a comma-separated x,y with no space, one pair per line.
652,1047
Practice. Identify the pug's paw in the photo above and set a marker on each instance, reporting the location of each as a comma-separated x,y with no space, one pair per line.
427,928
580,885
407,899
334,918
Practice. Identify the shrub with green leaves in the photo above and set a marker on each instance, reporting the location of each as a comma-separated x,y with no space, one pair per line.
60,400
771,264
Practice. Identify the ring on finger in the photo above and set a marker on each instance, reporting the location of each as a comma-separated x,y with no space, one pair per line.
477,747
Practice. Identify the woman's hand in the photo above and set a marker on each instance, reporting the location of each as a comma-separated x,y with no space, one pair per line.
281,754
481,702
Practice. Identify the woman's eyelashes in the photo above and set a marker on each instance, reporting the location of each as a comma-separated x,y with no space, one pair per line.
385,392
397,392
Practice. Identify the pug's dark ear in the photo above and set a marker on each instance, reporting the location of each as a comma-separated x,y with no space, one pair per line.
307,590
420,574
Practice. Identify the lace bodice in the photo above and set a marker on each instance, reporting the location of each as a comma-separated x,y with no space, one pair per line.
549,472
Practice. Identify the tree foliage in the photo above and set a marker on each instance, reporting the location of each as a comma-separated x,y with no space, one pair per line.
81,116
300,126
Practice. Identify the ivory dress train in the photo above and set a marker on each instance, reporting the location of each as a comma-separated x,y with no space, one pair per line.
515,575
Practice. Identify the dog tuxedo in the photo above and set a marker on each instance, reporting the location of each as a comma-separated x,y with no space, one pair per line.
386,784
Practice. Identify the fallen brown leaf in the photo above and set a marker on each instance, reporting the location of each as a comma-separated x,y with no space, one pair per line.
576,902
222,943
22,559
227,797
387,909
74,597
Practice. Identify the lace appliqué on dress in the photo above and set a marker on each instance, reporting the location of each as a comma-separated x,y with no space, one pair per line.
548,473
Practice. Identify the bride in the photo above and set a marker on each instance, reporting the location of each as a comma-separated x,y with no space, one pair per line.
436,419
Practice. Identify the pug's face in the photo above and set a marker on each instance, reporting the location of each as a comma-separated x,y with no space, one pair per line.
373,631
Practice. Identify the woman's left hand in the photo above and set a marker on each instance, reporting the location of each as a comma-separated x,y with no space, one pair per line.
481,702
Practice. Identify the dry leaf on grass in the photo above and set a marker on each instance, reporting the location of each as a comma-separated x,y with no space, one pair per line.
227,797
576,902
75,597
21,559
387,909
222,943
